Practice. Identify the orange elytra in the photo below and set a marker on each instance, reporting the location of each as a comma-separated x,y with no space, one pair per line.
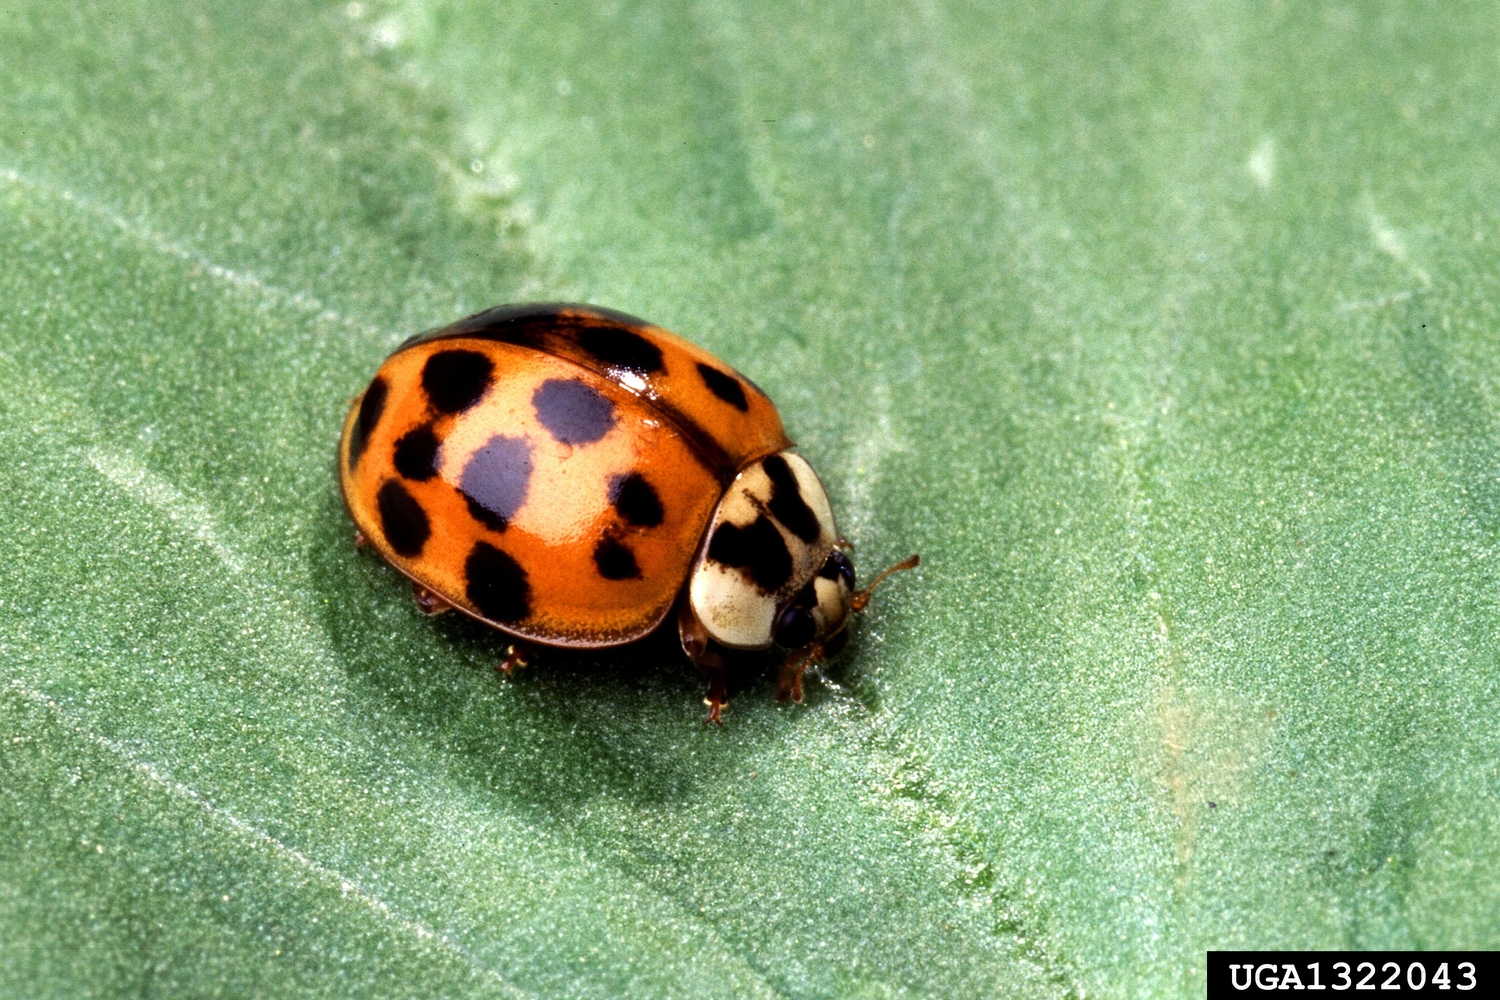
567,474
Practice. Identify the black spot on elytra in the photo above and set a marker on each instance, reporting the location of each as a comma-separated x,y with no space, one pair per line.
838,565
402,520
497,585
758,548
371,406
485,516
615,561
725,386
787,505
621,349
416,454
454,380
573,412
636,500
496,479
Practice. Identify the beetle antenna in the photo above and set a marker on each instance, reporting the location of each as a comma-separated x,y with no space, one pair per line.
859,600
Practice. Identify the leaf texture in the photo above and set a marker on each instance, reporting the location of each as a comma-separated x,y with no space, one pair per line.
1165,332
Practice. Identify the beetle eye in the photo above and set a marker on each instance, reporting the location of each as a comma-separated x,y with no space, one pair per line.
846,568
795,628
838,565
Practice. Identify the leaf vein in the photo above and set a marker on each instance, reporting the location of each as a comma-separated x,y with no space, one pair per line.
323,873
150,238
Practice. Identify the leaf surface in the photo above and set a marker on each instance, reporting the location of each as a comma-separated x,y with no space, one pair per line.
1164,332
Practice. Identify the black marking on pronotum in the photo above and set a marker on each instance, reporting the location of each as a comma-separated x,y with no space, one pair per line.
573,412
416,454
758,548
553,328
371,406
620,348
615,561
787,505
496,479
455,380
725,386
635,500
496,584
402,520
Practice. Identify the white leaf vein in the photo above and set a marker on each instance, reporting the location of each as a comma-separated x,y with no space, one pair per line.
324,874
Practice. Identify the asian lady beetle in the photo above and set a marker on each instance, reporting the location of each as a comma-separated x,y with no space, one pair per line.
564,473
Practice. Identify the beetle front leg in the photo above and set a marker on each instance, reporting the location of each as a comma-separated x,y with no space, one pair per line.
789,684
696,644
718,696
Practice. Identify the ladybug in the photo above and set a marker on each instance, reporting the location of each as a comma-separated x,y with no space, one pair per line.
568,474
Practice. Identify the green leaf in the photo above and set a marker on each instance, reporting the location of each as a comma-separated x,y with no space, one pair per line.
1165,332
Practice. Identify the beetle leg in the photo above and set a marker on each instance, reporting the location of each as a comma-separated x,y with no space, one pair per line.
427,602
360,541
789,685
718,697
515,656
695,643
